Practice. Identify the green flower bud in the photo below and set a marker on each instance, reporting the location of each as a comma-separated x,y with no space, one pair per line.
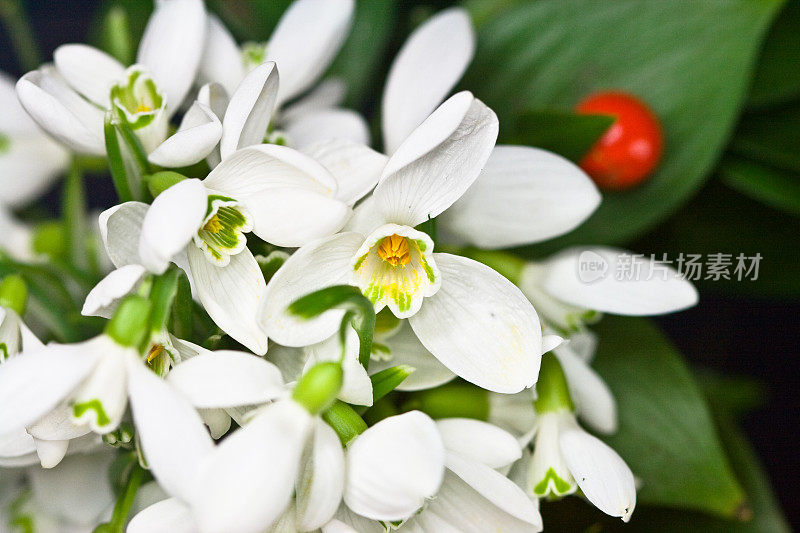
161,181
552,393
128,326
317,388
14,294
49,238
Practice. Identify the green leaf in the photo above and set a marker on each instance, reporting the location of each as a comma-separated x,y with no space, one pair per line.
116,35
777,78
666,434
387,380
127,160
452,400
771,137
776,188
563,132
344,421
690,61
252,20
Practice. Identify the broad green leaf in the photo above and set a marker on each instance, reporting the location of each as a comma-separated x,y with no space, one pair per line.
777,78
771,137
690,61
666,433
563,132
776,188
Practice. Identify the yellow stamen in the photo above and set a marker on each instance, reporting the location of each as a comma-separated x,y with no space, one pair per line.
394,250
213,225
143,108
155,351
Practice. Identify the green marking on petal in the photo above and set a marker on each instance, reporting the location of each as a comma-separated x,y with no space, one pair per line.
137,100
3,352
253,54
223,231
561,486
360,261
428,269
422,245
95,405
5,144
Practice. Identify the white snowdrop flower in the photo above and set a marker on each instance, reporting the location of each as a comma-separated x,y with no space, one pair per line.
70,98
571,287
468,316
304,43
281,195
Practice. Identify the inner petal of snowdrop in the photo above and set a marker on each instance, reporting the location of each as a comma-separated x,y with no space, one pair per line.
5,143
395,268
549,475
253,54
137,101
223,231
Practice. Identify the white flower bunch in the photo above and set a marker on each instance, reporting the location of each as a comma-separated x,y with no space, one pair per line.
275,278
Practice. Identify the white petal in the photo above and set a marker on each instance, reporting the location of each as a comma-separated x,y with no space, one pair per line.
306,40
35,383
172,46
425,70
171,222
479,441
321,481
58,425
367,217
51,452
102,399
77,490
438,162
496,488
89,71
653,290
289,195
317,265
514,413
197,136
325,125
14,120
249,480
232,295
291,361
17,237
551,342
394,466
250,109
103,298
355,166
602,475
406,349
29,166
328,93
480,326
121,229
222,59
356,387
524,195
166,516
227,379
173,437
62,112
214,96
217,420
593,400
16,443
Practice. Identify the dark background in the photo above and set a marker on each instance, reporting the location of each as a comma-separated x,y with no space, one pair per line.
740,335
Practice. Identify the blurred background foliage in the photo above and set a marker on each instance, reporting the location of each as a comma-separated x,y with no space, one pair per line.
723,76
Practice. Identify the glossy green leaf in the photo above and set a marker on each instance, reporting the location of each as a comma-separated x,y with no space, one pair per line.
771,137
777,77
563,132
776,188
666,433
690,60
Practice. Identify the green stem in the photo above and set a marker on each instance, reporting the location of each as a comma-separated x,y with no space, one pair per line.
74,214
162,294
20,34
124,504
344,421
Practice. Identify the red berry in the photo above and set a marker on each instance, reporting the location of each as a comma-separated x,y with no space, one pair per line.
631,148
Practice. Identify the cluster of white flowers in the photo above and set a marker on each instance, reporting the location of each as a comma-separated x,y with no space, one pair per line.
271,437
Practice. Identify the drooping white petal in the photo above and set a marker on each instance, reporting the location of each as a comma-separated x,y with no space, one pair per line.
163,418
367,217
594,401
495,487
172,46
480,326
16,444
51,452
551,342
77,491
356,387
394,466
250,109
622,283
58,425
438,162
62,112
89,71
290,196
524,195
103,298
328,93
355,166
227,379
121,229
222,59
172,220
479,441
306,40
217,420
406,349
317,265
232,295
321,481
166,516
325,125
425,70
35,383
248,481
29,166
197,136
600,472
101,400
